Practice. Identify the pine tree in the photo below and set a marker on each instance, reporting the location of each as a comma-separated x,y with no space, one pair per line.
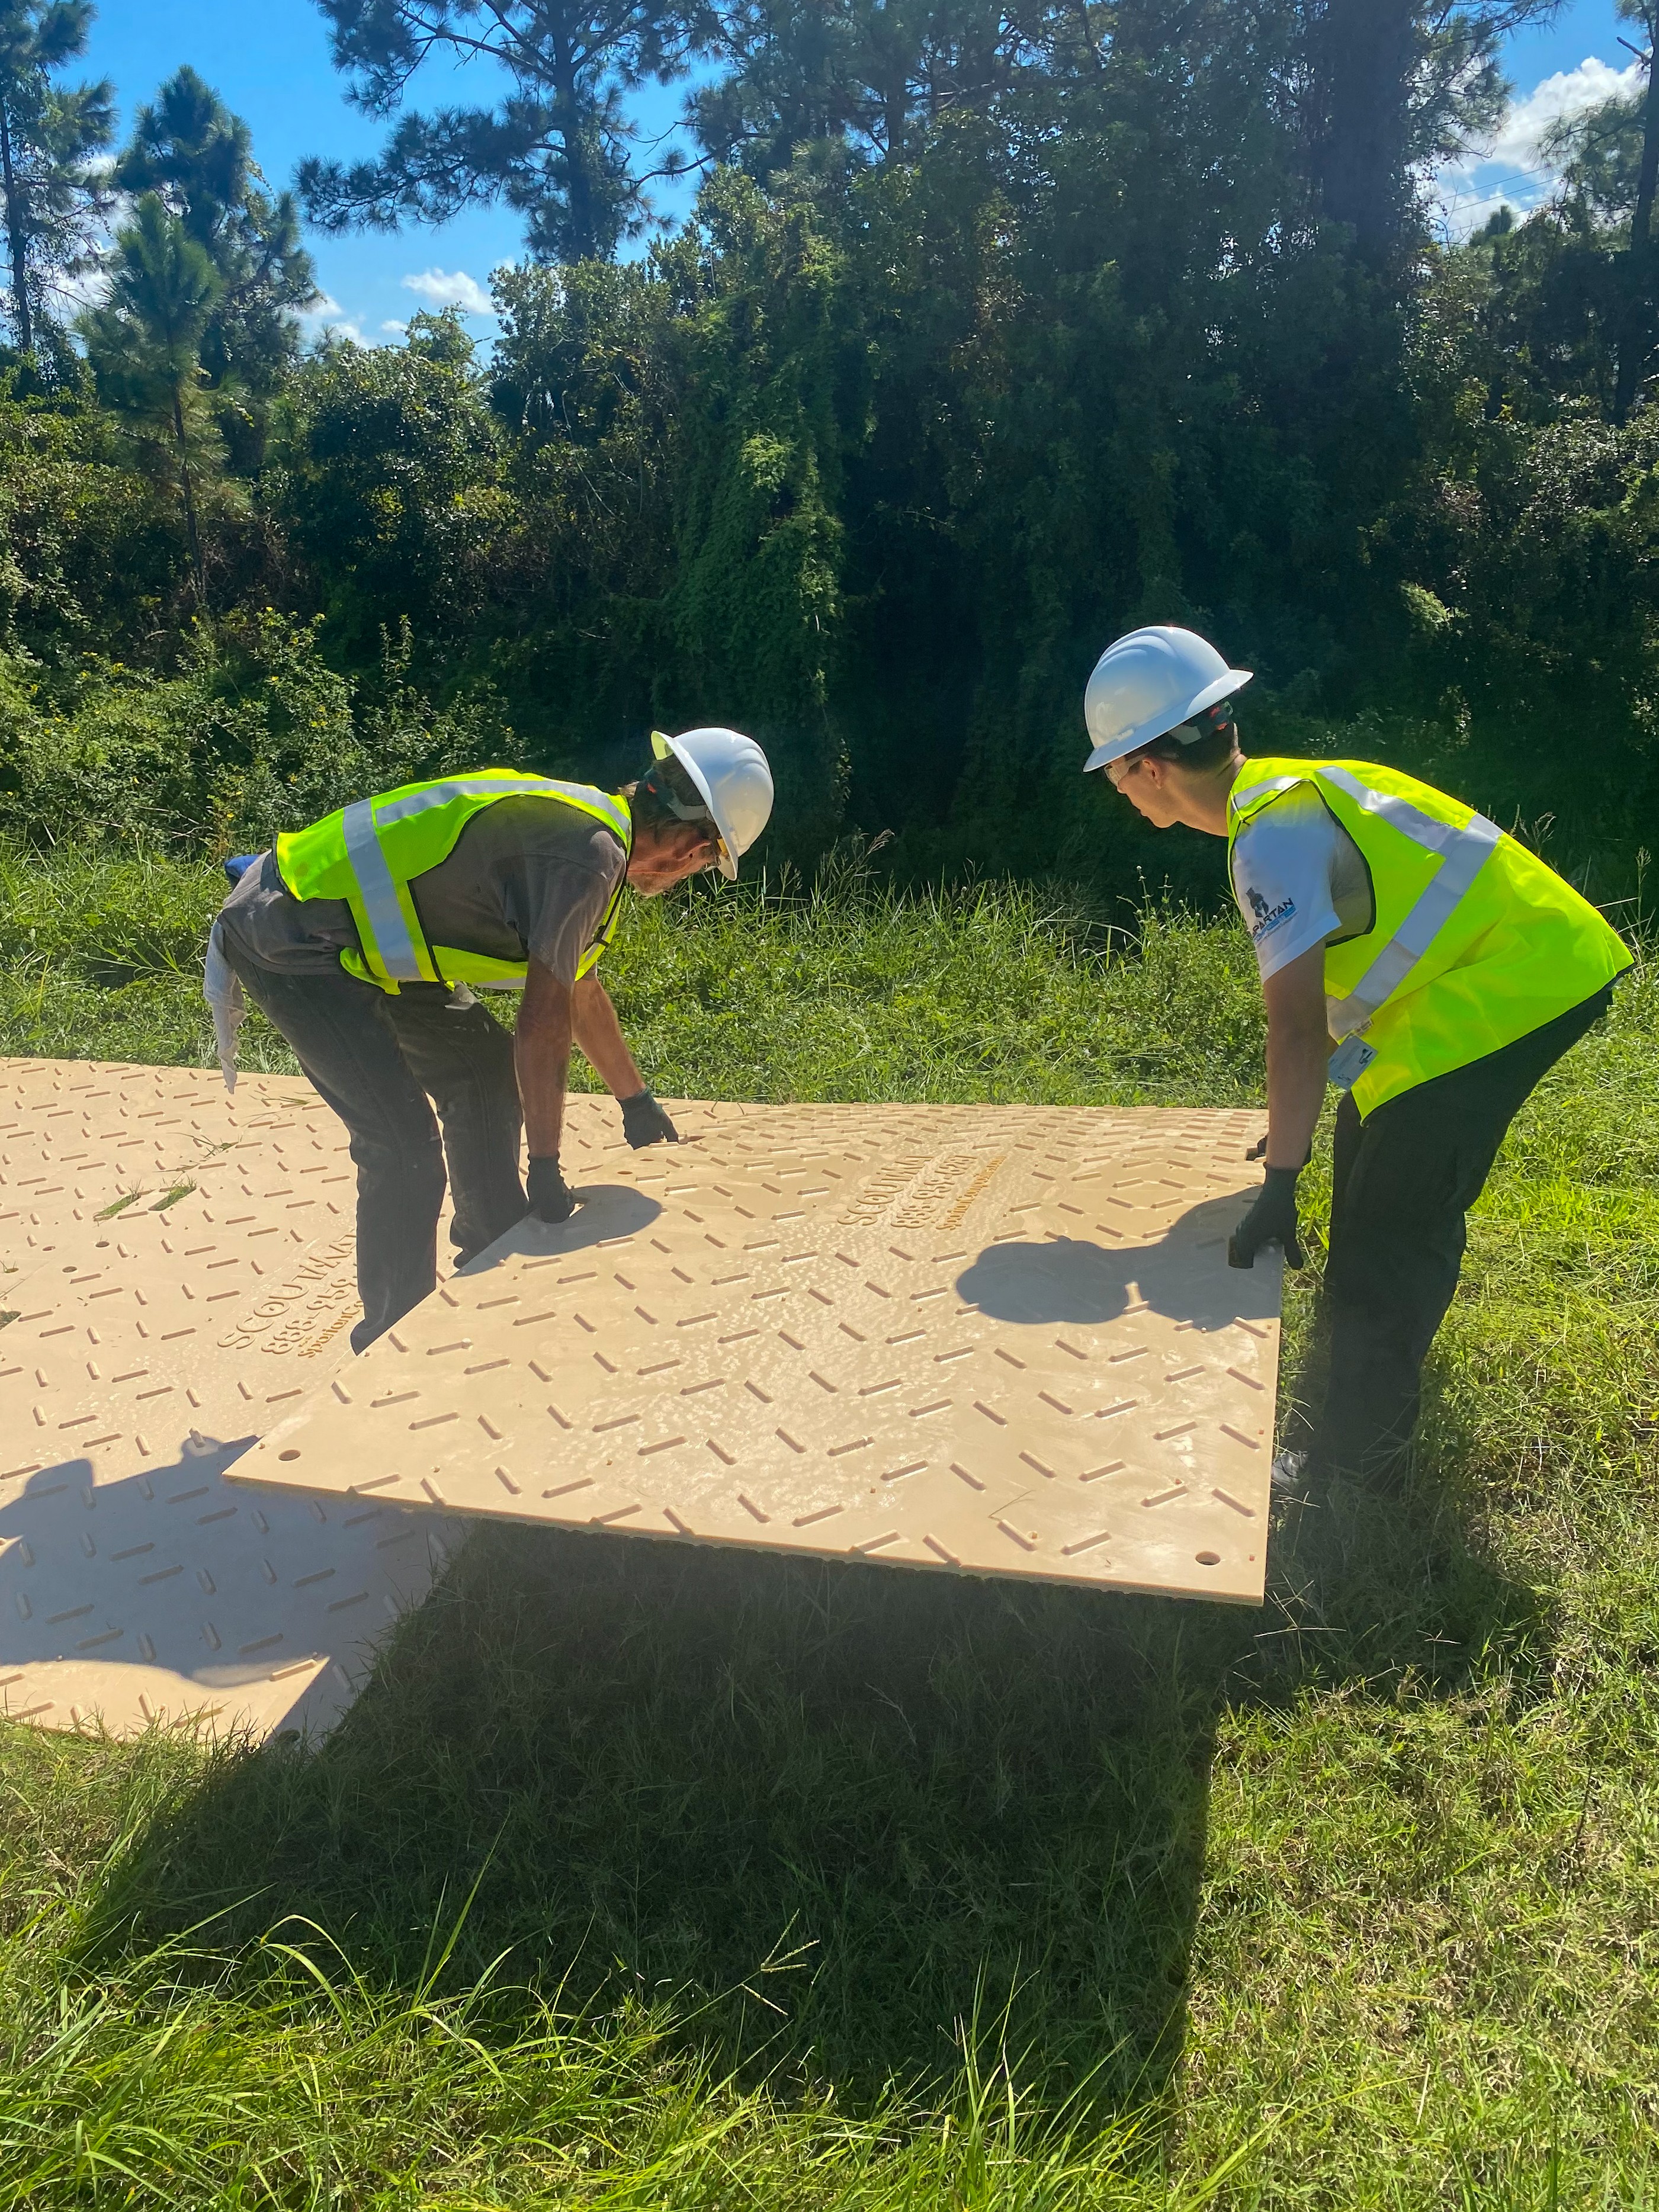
1392,88
877,74
145,347
558,146
46,133
1636,332
190,149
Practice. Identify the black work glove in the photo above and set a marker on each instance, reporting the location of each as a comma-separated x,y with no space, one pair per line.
644,1121
551,1198
1271,1220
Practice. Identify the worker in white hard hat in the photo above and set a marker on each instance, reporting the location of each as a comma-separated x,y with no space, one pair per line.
364,938
1410,953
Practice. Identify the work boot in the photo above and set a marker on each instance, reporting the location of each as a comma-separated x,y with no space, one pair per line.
1292,1481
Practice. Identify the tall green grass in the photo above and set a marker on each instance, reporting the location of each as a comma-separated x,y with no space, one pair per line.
842,991
651,1877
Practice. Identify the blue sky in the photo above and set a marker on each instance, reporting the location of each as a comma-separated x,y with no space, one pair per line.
271,62
1556,72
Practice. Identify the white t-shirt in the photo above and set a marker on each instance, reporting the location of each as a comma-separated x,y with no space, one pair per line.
1299,879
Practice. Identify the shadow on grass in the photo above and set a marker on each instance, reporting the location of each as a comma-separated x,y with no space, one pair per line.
851,1806
1373,1591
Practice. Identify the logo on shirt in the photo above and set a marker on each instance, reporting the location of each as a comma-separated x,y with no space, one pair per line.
1267,918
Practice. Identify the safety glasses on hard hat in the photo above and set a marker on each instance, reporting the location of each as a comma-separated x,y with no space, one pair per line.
685,810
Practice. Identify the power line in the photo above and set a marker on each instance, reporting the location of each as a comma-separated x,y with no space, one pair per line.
1514,176
1461,202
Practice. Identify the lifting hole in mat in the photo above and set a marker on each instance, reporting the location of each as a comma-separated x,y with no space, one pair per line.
950,1298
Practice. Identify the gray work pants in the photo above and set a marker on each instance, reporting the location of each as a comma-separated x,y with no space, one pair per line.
379,1058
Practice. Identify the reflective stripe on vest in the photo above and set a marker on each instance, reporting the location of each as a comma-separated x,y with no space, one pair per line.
425,796
399,956
1464,852
369,852
1473,941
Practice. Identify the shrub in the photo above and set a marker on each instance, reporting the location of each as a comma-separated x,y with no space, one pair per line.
256,733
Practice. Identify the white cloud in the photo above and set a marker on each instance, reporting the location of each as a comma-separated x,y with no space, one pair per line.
1514,171
327,315
396,330
1559,99
72,289
440,288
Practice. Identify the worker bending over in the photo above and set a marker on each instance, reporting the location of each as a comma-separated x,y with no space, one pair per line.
360,940
1448,965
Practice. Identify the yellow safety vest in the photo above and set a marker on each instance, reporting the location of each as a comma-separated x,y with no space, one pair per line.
1473,941
369,852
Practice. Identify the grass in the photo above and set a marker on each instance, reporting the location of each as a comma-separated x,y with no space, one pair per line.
846,993
651,1878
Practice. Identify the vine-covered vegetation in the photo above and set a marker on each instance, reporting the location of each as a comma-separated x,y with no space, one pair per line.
981,345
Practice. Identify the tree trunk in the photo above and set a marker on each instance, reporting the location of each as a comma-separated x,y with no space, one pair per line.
20,260
894,99
579,185
1634,335
190,531
1363,66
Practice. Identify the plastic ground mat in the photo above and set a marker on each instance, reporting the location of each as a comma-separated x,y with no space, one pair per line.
180,1271
997,1340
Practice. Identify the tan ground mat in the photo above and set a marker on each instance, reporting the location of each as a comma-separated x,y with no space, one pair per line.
152,1341
82,1140
998,1339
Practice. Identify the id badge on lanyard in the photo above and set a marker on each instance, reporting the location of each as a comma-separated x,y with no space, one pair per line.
1349,1062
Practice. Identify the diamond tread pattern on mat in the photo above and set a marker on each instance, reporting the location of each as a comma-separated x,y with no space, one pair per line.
80,1140
1002,1339
150,1348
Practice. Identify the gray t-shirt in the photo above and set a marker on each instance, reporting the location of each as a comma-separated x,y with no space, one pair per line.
525,877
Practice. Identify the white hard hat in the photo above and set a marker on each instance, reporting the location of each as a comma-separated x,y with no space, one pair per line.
730,771
1147,685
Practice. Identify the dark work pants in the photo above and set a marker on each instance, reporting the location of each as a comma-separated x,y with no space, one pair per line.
378,1059
1401,1183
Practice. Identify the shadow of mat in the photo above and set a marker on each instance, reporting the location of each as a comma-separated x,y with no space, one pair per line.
670,1769
843,1808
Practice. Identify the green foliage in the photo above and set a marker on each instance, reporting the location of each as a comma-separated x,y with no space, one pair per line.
903,453
678,494
389,483
873,80
189,148
646,1876
89,551
1538,613
145,348
761,992
558,147
50,198
256,733
755,599
982,349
